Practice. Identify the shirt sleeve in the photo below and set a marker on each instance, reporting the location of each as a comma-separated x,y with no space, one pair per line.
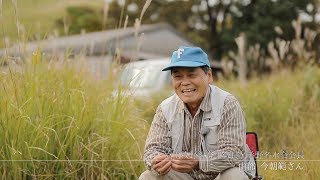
158,140
231,140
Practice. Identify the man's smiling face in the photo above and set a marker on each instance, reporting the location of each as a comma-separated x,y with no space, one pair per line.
190,84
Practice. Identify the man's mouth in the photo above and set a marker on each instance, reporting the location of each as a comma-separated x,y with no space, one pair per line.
188,91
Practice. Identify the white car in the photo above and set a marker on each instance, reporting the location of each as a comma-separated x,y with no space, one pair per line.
146,77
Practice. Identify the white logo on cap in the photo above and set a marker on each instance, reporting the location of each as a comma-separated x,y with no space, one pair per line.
180,51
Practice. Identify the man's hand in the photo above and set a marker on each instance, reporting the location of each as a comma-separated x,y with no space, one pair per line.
161,163
184,163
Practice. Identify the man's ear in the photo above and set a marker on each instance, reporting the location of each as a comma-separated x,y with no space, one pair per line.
210,76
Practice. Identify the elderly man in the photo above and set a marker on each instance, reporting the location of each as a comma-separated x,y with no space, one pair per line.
199,132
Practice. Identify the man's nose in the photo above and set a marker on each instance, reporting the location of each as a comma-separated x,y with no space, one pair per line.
185,82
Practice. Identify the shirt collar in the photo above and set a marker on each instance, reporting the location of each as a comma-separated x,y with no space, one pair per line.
206,102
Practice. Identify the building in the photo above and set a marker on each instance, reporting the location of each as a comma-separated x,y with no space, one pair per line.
100,48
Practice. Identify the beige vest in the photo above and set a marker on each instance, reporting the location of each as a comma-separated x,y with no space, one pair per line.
209,125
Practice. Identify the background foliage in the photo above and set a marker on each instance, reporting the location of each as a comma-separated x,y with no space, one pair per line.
214,24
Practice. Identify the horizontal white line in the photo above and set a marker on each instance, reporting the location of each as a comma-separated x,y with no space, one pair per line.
65,160
300,160
135,160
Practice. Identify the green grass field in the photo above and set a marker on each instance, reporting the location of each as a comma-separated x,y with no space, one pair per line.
35,18
57,122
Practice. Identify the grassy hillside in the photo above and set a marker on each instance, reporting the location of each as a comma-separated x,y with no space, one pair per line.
35,17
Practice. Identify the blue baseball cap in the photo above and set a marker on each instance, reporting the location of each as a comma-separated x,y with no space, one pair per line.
188,57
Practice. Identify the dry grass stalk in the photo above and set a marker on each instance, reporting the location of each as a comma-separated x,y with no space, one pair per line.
15,7
277,55
303,47
7,42
255,59
144,9
309,35
283,48
241,59
125,25
137,25
273,53
256,52
297,46
278,30
65,25
0,8
227,66
105,14
297,28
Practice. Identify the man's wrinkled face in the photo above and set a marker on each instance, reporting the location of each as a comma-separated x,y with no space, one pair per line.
190,84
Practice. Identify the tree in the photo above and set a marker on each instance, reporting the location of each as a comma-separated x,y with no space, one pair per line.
214,24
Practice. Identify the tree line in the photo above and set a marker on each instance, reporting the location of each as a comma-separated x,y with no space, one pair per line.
265,26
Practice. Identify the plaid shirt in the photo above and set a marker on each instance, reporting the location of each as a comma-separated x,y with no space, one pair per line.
231,137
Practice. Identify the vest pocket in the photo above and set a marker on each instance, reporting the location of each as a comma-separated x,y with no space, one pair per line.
211,138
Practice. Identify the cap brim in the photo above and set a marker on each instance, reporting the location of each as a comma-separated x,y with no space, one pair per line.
184,64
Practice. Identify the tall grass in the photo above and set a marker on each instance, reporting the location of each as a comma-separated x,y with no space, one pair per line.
284,110
58,123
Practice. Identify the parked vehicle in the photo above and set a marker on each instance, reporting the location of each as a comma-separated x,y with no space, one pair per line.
142,78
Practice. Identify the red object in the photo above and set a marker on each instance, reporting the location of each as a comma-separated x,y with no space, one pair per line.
252,142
